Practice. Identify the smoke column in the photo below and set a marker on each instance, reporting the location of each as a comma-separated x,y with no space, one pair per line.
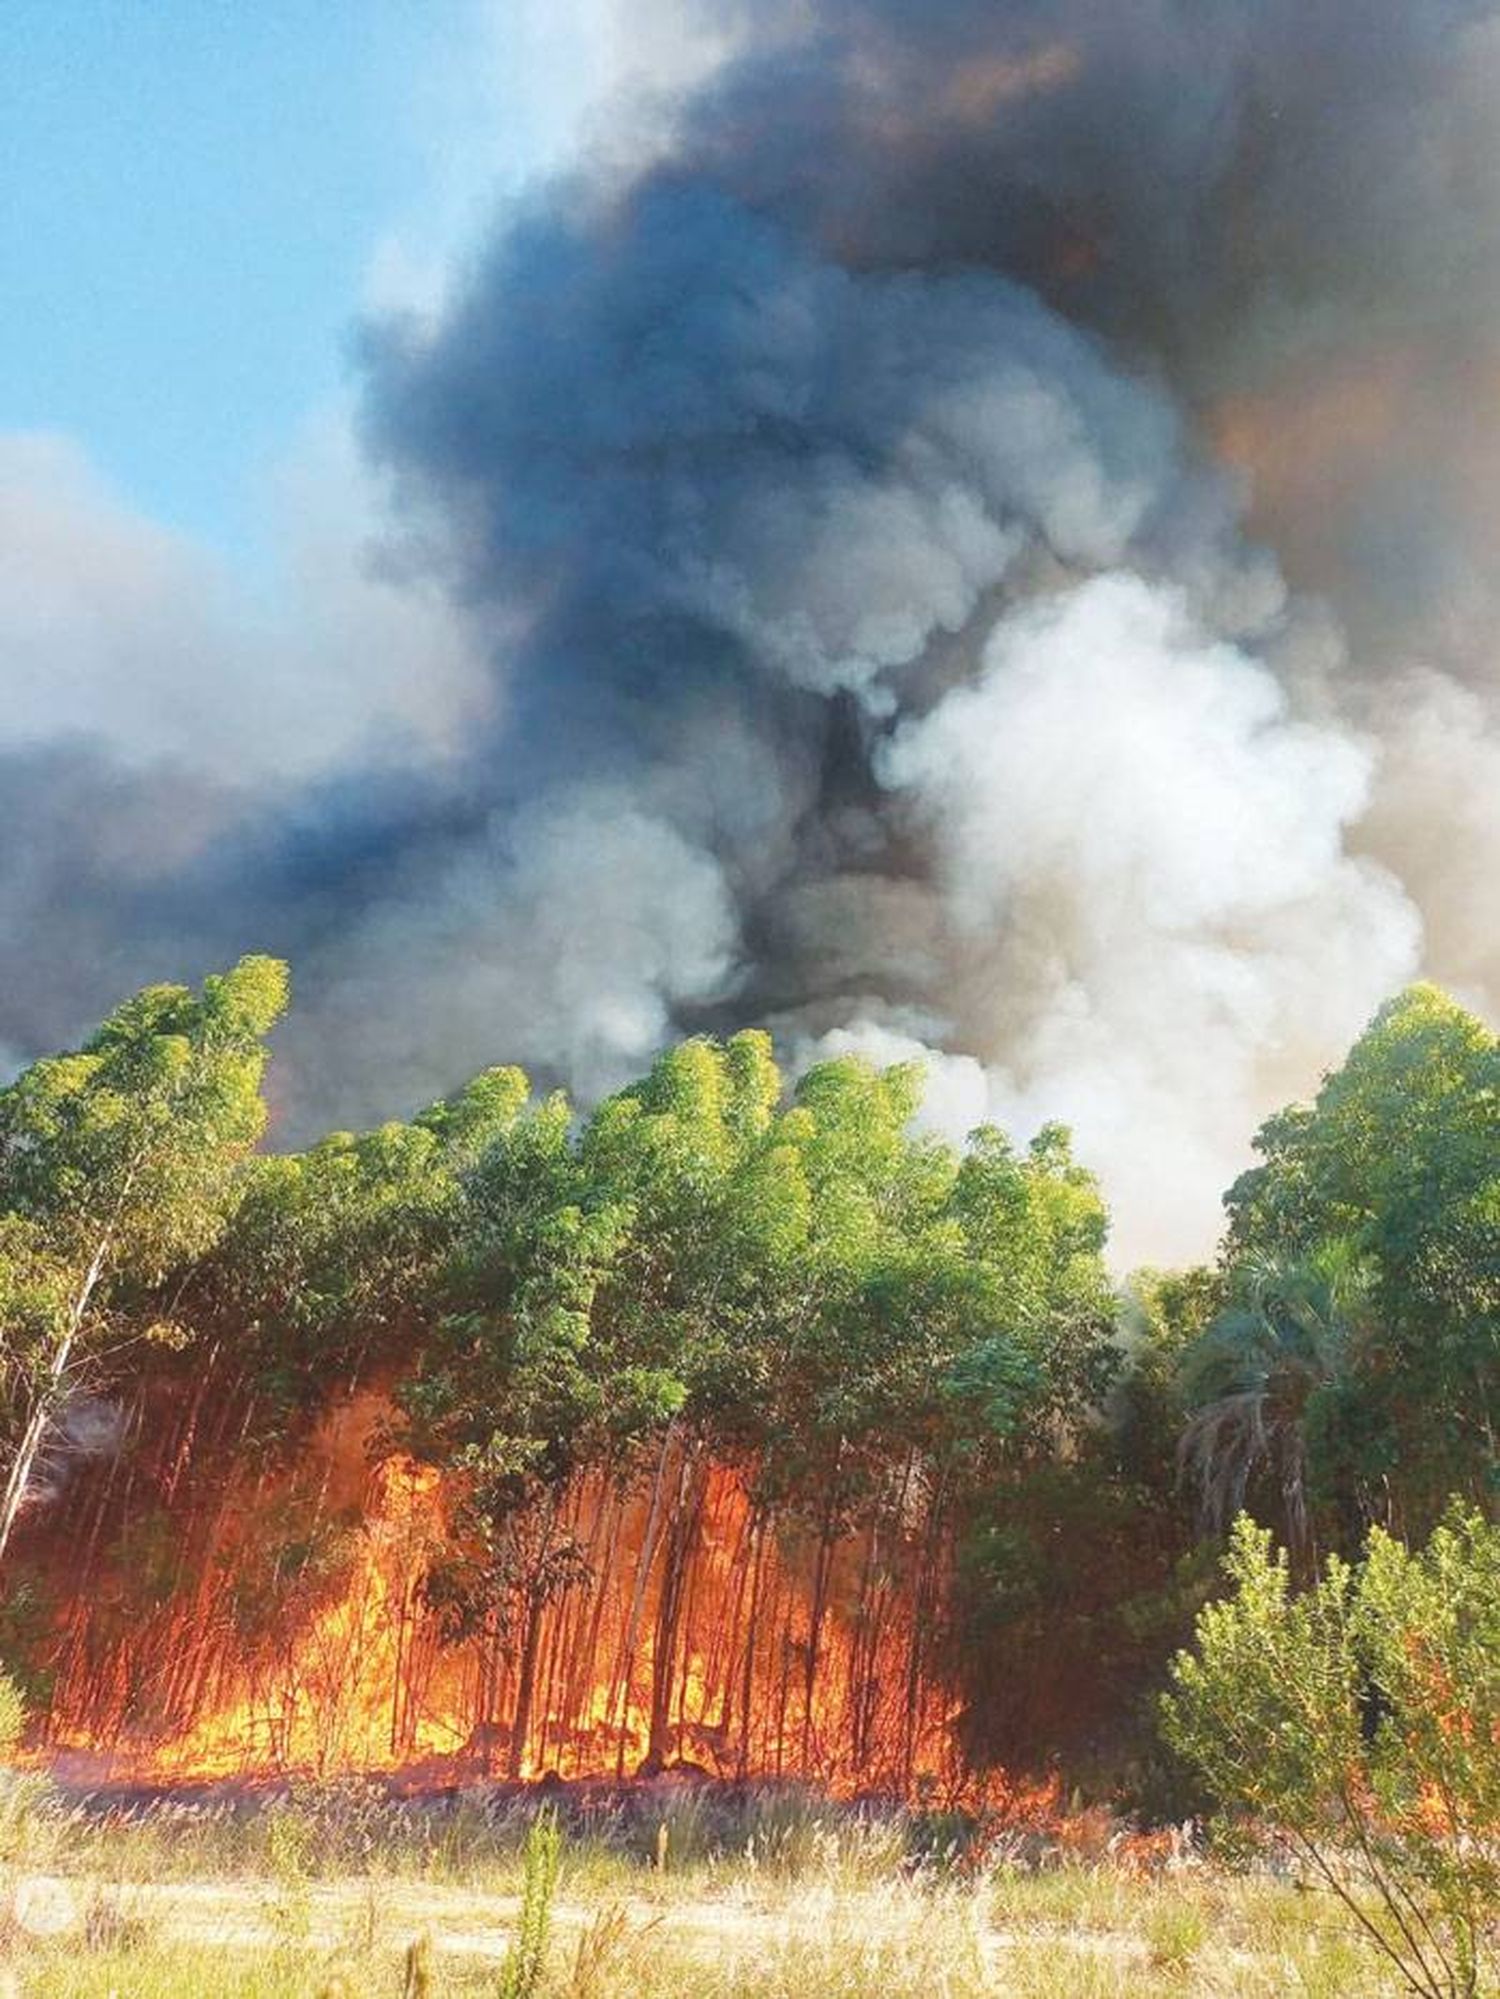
979,526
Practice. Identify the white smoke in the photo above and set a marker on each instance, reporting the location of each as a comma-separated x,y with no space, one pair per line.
1143,854
1435,818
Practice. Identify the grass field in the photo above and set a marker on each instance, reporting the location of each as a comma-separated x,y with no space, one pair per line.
772,1896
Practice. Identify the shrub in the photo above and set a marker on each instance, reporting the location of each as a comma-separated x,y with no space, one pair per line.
521,1973
1358,1725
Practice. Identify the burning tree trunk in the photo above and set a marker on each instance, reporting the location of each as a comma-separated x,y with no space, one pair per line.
752,1629
520,1727
822,1567
681,1540
924,1610
620,1686
534,1593
749,1645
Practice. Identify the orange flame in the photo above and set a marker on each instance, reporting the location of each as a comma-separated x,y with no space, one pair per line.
689,1629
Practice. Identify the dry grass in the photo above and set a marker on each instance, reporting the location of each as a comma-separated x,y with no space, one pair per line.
782,1897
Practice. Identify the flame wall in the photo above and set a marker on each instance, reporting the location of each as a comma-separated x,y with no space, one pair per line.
283,1622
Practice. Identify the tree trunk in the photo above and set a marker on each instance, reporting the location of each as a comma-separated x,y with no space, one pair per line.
520,1727
682,1536
923,1609
752,1626
587,1672
536,1603
50,1395
44,1409
625,1666
822,1569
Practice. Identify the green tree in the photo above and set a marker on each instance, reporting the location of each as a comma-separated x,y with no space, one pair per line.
947,1334
516,1391
1358,1724
1077,1574
1162,1316
1397,1165
118,1165
1266,1385
1035,1224
333,1258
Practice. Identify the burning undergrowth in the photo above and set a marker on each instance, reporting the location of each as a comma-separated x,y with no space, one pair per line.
304,1626
511,1444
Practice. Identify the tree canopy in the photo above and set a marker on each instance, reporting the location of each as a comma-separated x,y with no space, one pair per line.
908,1357
119,1164
1368,1241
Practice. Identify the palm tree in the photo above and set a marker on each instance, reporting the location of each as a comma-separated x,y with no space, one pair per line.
1291,1336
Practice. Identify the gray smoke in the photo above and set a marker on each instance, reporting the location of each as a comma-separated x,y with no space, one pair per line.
86,1429
978,540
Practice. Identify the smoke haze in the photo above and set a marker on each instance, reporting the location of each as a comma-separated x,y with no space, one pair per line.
965,531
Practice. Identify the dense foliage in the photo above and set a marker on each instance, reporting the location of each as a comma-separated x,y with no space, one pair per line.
118,1165
884,1338
1352,1380
1359,1724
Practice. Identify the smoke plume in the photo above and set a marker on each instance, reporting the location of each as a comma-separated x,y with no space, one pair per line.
969,530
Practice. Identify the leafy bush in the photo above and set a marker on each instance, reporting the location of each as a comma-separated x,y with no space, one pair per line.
1358,1725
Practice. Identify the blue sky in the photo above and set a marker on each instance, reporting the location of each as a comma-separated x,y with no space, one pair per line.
193,194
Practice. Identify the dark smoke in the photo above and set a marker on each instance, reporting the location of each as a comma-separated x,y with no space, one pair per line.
982,541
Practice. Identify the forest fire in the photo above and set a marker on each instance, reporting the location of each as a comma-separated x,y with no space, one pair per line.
729,1435
861,1297
682,1630
499,1446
